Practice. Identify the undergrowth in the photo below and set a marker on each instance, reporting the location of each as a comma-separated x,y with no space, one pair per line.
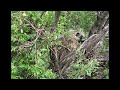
23,65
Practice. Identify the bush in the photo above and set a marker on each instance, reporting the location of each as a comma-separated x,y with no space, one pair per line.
23,64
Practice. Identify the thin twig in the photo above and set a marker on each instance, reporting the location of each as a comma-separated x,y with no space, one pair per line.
36,48
31,24
36,53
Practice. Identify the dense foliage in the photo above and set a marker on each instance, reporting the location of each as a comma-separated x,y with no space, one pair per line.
23,64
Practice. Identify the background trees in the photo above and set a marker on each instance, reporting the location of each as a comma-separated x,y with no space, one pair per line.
23,63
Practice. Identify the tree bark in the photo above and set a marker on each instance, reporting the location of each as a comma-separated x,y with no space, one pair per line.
102,19
56,19
97,33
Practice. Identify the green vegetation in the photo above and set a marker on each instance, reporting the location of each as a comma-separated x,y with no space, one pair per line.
24,64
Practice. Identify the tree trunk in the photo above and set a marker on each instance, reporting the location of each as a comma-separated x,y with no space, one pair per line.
97,33
56,18
102,19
